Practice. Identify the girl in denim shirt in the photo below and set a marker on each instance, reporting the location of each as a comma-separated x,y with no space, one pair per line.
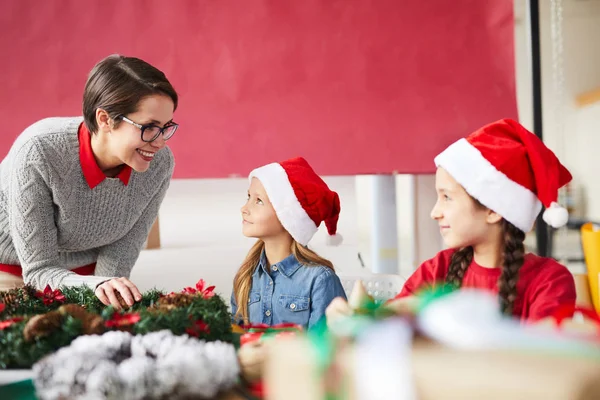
282,280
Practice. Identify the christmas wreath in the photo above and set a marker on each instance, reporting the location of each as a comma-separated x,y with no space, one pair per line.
35,323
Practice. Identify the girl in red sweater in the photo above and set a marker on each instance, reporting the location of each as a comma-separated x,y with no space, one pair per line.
490,188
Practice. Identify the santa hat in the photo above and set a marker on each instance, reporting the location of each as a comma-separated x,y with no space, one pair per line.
300,198
510,171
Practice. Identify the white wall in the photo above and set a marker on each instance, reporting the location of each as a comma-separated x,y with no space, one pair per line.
200,225
577,144
584,157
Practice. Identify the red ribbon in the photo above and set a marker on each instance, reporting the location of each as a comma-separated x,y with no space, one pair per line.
257,331
567,311
269,328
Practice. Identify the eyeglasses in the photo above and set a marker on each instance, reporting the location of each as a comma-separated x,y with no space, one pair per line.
151,132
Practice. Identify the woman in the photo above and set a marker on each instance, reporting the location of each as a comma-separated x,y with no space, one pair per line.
78,195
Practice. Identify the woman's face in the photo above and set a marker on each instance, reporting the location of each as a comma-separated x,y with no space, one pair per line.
126,143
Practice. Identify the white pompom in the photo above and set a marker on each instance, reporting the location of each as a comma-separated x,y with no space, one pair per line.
555,215
334,240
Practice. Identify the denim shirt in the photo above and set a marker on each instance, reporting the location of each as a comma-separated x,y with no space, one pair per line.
290,292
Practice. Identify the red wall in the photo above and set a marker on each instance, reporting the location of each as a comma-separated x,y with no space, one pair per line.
355,86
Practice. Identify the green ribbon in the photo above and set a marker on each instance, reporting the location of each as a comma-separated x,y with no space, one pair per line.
323,343
433,294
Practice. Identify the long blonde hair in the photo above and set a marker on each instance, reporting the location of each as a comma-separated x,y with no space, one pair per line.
242,283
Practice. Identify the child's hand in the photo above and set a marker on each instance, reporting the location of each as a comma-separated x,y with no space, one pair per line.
403,306
337,309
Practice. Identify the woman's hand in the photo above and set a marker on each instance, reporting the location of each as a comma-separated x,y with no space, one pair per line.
108,292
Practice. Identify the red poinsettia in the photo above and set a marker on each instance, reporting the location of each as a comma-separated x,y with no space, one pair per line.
119,320
198,327
2,307
49,296
207,293
5,324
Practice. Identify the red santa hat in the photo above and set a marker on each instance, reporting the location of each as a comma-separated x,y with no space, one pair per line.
510,171
300,198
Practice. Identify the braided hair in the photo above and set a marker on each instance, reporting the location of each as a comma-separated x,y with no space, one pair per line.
513,257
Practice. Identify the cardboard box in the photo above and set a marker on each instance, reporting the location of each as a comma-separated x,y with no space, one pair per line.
438,373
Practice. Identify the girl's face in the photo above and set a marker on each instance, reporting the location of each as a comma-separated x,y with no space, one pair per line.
125,142
258,215
463,221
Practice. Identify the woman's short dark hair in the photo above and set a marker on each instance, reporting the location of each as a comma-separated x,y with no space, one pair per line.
117,84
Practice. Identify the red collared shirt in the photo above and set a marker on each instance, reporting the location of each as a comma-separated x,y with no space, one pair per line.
91,171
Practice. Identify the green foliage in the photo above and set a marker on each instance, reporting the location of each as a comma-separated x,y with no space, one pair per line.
18,353
212,311
205,318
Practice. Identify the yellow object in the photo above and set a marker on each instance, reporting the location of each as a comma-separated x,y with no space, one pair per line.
590,239
237,329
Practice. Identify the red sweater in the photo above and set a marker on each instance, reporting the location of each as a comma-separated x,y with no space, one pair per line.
543,284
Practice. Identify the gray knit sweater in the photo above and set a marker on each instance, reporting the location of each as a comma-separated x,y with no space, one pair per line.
50,219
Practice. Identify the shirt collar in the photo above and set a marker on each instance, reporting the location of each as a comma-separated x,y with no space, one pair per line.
288,266
91,171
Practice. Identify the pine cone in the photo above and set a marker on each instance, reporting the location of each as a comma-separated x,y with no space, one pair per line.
28,292
74,310
175,299
9,297
121,300
162,308
42,325
93,325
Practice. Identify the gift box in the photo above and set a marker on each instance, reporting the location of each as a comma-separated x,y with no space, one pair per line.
458,346
252,350
292,372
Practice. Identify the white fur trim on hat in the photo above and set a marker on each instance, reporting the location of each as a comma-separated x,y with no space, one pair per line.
334,240
515,203
281,194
